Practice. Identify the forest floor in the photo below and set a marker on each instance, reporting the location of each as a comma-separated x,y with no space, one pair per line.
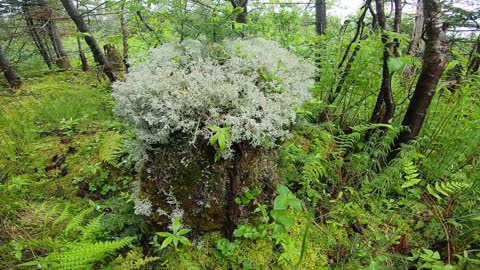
67,180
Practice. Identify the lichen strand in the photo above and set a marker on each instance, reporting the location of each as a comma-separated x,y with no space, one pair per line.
198,183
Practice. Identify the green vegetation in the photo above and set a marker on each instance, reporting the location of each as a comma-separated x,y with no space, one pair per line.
219,122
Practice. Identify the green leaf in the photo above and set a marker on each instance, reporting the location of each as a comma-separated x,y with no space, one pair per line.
282,217
184,241
166,242
282,189
176,225
184,231
164,234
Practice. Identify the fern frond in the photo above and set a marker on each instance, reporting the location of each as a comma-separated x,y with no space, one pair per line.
446,189
111,148
64,215
314,169
83,255
74,223
411,174
92,228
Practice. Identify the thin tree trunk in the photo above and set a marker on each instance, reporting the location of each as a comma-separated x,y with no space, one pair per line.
397,20
333,94
384,107
89,39
434,61
81,53
5,66
242,16
62,57
321,16
232,208
321,29
123,25
474,63
36,35
417,45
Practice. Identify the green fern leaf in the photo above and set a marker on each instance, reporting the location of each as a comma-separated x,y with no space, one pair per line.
74,223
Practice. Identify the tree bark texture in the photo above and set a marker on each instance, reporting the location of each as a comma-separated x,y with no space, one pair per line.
417,45
397,20
321,16
5,66
434,62
89,39
123,26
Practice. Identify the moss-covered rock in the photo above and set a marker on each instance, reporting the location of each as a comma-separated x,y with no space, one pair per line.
185,178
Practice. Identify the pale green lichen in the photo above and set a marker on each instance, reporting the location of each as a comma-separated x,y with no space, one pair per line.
251,87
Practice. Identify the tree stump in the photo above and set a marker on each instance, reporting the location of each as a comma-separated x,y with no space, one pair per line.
182,179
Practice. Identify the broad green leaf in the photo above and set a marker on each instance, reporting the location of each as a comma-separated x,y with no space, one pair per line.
282,217
166,242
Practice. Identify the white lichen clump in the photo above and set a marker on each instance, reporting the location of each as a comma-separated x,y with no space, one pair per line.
143,207
252,87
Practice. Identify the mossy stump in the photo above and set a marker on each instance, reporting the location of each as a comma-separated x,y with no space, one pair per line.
184,178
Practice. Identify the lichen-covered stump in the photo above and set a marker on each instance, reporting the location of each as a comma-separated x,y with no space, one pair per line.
181,179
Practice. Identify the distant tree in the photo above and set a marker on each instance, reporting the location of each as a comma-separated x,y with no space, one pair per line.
417,44
321,17
89,39
242,16
5,66
38,34
47,17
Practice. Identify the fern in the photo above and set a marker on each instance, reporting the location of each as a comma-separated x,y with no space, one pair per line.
446,189
74,223
314,170
83,255
411,175
64,215
92,228
133,260
112,148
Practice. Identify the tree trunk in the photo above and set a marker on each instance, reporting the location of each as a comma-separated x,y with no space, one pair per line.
89,39
62,60
321,16
123,25
242,17
321,29
81,53
36,35
12,78
474,63
417,45
384,109
434,61
397,20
